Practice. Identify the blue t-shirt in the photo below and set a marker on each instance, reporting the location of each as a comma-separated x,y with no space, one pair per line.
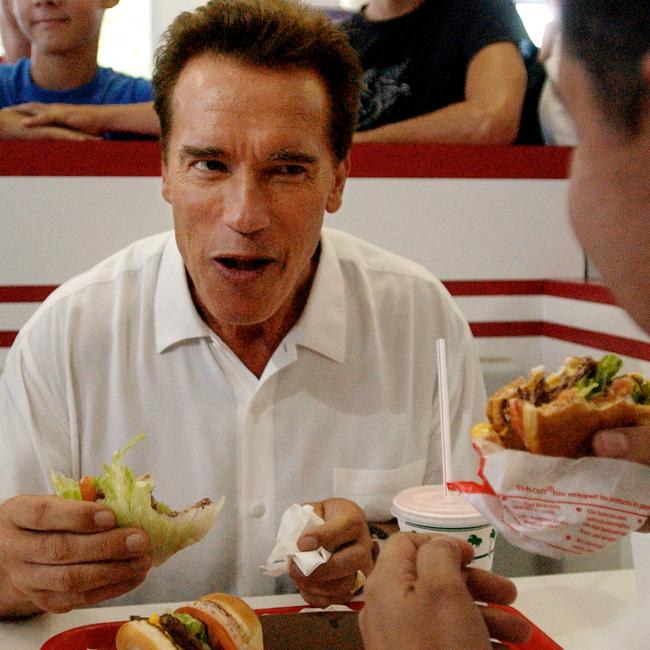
107,87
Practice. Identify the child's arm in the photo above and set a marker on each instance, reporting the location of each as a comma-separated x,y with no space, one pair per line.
94,119
12,128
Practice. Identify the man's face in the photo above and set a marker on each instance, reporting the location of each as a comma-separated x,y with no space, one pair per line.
249,173
609,197
60,26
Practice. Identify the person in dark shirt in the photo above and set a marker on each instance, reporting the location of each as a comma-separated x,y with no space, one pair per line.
440,71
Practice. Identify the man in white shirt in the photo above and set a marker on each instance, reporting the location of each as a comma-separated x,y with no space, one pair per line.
604,79
268,359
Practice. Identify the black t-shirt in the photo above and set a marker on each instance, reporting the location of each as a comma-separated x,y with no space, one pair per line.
417,63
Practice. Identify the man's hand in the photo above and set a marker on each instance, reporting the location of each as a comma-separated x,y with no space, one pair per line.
57,554
627,443
12,127
345,533
421,596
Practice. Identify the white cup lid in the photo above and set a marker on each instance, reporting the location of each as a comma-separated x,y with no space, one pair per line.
428,505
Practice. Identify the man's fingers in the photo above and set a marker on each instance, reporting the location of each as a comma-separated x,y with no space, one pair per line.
505,626
628,443
59,603
489,587
345,522
344,562
73,548
73,578
397,559
52,513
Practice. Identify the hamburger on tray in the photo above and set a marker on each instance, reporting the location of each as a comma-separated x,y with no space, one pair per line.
541,487
217,621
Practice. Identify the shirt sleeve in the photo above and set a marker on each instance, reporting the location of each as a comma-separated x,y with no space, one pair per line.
488,22
34,436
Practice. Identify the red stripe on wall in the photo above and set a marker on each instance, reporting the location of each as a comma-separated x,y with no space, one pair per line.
599,340
7,338
507,328
494,287
142,158
587,291
26,292
459,161
90,158
572,289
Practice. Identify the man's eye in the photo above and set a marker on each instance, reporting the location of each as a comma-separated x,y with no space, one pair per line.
210,166
290,170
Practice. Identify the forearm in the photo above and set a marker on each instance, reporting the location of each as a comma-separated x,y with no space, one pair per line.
461,123
14,604
128,118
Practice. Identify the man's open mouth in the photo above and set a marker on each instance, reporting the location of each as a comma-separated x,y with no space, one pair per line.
244,264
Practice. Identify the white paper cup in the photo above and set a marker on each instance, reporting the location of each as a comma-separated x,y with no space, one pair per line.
640,543
426,509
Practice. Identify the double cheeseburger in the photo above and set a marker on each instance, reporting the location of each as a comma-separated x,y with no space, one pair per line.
217,621
556,415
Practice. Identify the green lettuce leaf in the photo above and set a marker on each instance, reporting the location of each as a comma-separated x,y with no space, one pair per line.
130,498
596,384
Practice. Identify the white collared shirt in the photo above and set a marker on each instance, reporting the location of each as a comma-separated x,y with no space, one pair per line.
347,405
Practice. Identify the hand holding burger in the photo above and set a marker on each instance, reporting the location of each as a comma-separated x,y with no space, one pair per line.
557,415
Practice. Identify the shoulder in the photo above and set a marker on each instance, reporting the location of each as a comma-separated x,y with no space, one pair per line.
361,257
122,88
13,77
121,277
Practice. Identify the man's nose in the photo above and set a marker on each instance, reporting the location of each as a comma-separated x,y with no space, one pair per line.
247,208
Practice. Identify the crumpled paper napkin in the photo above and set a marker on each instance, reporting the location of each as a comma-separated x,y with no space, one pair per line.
294,521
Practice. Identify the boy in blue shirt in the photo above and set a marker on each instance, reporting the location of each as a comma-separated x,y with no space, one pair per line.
60,91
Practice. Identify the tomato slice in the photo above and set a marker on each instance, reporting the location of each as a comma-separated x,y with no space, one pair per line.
87,488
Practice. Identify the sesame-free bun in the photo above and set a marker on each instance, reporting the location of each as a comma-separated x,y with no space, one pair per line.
230,621
142,635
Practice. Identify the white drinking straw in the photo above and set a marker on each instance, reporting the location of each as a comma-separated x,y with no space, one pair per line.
443,400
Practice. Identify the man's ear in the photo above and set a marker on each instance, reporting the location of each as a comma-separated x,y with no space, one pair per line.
108,4
341,172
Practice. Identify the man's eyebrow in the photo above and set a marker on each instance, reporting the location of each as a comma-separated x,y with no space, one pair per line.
289,155
202,152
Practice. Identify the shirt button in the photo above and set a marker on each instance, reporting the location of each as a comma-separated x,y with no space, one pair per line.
257,510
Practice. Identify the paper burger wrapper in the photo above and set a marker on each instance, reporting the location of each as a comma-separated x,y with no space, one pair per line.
558,507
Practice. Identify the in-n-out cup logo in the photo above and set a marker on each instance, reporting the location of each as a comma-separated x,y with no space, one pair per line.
427,509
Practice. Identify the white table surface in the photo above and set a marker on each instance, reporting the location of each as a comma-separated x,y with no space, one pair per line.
574,609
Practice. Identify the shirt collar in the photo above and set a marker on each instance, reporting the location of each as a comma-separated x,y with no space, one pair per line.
176,316
321,327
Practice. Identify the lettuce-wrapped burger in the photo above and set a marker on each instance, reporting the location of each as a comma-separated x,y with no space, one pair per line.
131,500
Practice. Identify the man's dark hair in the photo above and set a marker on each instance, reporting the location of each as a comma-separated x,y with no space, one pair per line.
610,39
264,33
